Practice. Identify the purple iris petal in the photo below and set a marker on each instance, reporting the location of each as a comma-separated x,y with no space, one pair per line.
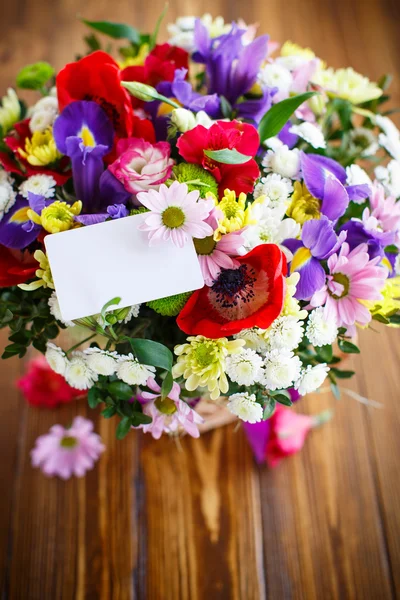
358,192
254,109
316,169
286,137
112,190
335,199
13,233
248,65
79,115
182,90
38,203
376,240
319,236
293,245
92,219
117,211
312,278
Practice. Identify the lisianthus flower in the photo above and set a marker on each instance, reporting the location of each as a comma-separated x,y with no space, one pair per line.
201,362
66,452
42,387
318,242
97,77
141,166
168,414
352,279
214,255
175,214
288,432
232,135
250,295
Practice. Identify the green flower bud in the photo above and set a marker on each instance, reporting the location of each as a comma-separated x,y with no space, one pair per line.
33,77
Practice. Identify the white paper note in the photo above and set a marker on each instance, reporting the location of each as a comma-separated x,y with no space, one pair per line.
93,264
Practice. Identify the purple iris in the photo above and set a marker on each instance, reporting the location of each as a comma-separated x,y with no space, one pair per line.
85,134
318,242
16,229
376,240
181,89
231,67
114,211
325,179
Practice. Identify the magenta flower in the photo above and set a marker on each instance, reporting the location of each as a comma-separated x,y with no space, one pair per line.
175,214
352,279
214,256
140,165
169,414
66,452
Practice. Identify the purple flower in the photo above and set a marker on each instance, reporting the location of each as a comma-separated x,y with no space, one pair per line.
358,233
67,452
318,242
16,229
182,90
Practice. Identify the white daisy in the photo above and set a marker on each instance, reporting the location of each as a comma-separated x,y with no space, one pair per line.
253,338
286,332
43,114
282,368
357,176
310,133
56,312
273,75
319,330
101,362
78,374
133,313
132,372
283,161
244,368
56,358
389,177
276,188
311,379
41,185
270,228
245,406
7,194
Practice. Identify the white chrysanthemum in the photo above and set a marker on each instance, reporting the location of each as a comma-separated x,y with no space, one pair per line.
281,369
387,126
43,114
7,194
283,161
286,332
132,372
244,368
273,75
276,188
270,228
291,62
78,374
56,312
311,379
357,176
253,338
101,362
41,185
273,143
56,358
133,313
245,406
389,177
319,330
311,133
391,145
10,110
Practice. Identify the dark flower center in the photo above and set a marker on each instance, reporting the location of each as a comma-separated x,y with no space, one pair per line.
110,110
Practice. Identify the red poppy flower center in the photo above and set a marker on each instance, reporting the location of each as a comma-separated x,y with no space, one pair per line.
110,110
238,293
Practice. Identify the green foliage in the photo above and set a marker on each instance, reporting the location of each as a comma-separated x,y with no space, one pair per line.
117,31
227,156
269,408
35,76
348,347
171,305
154,35
279,114
152,353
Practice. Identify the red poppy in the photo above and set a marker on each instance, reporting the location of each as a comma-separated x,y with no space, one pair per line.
19,165
251,295
232,135
15,267
97,77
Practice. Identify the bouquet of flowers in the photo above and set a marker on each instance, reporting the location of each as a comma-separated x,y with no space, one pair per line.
280,173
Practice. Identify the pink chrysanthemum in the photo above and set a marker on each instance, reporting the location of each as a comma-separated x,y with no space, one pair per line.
67,452
214,256
386,211
175,214
168,414
352,279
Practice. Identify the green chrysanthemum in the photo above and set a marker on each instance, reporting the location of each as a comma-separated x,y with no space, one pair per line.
170,306
196,178
138,211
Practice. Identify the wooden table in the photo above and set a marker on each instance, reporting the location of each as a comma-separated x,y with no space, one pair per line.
201,520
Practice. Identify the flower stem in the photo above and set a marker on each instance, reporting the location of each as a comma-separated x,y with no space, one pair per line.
81,342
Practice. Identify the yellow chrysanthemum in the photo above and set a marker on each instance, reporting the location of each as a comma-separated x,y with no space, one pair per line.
303,205
41,149
347,84
59,216
291,306
236,215
43,274
10,111
291,49
201,362
135,61
390,304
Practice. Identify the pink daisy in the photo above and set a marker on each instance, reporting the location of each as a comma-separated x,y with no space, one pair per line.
175,214
214,256
67,452
386,211
352,279
168,414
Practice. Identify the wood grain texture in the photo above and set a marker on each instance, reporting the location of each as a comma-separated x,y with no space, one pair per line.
198,520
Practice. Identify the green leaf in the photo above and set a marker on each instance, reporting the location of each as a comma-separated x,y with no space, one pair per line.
120,390
342,374
34,77
140,419
167,385
227,156
117,31
154,35
226,107
123,428
395,319
93,397
325,353
269,408
279,114
152,353
7,316
114,301
348,347
283,398
380,318
109,412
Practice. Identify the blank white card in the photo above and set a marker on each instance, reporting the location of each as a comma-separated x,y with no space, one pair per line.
93,264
